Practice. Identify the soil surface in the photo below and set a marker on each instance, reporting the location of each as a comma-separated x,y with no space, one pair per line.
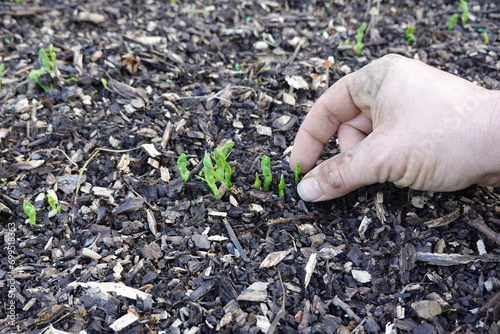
129,247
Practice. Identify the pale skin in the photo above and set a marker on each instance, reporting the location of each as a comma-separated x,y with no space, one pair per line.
399,120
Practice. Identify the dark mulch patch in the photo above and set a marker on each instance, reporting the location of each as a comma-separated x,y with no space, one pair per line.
134,250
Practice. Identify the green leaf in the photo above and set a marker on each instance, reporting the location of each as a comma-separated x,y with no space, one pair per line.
281,186
104,83
257,183
30,211
208,170
44,59
297,171
52,53
359,39
182,165
452,21
265,167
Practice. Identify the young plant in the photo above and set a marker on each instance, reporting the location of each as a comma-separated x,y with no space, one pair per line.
464,6
220,172
486,38
281,187
53,201
359,39
410,35
452,21
257,183
182,165
208,171
265,167
30,211
297,171
223,171
47,62
104,83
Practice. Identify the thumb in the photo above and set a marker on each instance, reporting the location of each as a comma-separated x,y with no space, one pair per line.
362,165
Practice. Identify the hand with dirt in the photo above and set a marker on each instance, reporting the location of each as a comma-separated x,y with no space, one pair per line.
402,121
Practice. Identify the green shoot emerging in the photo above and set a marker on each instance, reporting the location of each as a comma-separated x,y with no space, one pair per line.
265,167
53,201
452,21
464,6
30,211
359,39
47,62
182,165
208,171
281,186
257,183
486,38
297,171
104,83
410,35
221,172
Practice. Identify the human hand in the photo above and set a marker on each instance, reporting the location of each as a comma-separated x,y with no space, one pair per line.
402,121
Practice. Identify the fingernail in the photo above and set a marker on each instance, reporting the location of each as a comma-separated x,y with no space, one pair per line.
309,189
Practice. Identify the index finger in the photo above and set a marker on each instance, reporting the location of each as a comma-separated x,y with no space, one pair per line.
342,102
335,106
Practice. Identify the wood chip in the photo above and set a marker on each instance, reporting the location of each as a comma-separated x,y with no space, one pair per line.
274,258
86,252
118,288
445,220
128,319
426,309
94,18
310,266
362,276
257,292
151,150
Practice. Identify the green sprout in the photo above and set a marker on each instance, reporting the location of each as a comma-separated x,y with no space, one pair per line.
281,187
208,171
257,183
359,39
452,21
2,68
104,83
237,66
72,79
410,35
297,171
181,164
3,179
265,167
464,6
48,65
486,38
30,211
221,172
53,201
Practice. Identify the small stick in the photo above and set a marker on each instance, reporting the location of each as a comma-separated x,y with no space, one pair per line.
291,219
235,240
479,223
337,302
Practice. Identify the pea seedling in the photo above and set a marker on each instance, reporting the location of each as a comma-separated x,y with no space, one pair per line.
410,35
281,186
257,184
297,171
181,164
359,39
30,211
2,68
265,167
221,172
452,21
47,62
53,201
464,6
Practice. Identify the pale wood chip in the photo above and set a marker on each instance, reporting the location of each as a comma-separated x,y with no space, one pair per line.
310,266
257,292
274,258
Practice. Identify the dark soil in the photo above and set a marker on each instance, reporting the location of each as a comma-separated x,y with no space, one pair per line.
186,77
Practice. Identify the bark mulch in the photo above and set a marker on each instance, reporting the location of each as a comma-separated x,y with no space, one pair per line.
98,123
